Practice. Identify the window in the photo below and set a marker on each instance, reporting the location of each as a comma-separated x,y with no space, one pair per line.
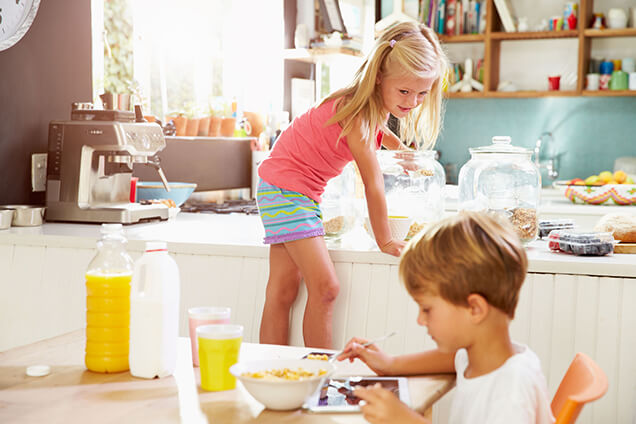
193,55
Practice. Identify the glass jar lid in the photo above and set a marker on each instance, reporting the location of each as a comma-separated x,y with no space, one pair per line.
500,144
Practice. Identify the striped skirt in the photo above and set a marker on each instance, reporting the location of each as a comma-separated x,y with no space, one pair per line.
287,215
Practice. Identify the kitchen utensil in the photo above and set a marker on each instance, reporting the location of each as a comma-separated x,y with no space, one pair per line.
282,394
616,18
204,315
593,81
503,178
219,346
6,216
153,190
378,340
26,215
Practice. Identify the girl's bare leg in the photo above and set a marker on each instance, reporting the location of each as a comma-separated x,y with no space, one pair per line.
282,289
312,259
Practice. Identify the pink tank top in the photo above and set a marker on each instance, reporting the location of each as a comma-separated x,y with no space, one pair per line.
306,154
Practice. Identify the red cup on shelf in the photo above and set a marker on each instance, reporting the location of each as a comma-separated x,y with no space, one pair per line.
133,189
554,83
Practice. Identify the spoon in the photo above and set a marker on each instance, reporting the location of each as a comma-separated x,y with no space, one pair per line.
379,339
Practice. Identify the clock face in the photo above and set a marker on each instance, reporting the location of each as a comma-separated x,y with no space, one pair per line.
16,16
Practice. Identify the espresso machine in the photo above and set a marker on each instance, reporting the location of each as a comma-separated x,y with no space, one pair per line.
90,162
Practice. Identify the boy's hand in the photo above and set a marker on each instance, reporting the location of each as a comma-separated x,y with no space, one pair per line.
383,407
393,247
371,355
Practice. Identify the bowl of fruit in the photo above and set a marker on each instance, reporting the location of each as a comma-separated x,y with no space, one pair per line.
606,188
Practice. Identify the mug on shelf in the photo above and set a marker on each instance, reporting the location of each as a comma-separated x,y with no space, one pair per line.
592,81
632,81
618,81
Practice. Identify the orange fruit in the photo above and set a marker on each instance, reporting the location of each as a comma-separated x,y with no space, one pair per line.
606,176
620,177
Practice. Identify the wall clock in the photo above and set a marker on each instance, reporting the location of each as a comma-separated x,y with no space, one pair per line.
16,17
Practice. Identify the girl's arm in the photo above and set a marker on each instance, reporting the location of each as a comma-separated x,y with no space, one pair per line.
374,190
392,141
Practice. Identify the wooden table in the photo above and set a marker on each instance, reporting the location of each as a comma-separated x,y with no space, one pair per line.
70,393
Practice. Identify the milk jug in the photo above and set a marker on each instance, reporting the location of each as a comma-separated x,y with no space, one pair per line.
154,313
108,303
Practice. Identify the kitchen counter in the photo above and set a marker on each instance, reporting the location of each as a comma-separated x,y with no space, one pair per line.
567,304
237,234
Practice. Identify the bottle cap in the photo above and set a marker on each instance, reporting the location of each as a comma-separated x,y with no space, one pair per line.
111,228
38,370
154,246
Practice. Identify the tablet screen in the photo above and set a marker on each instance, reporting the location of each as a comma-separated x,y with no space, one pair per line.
340,392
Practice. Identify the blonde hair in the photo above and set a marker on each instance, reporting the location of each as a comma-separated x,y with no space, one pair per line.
472,252
406,48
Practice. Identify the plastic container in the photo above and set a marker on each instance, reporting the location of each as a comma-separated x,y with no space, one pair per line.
108,303
581,243
338,212
154,313
502,178
548,225
413,185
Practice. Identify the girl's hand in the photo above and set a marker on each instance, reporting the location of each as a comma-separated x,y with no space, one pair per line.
371,355
393,247
382,406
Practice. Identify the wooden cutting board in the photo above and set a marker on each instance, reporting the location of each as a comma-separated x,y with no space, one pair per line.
625,248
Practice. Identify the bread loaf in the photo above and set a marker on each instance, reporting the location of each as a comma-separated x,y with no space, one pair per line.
621,225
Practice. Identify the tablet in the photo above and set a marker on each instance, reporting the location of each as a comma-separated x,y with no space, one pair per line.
336,395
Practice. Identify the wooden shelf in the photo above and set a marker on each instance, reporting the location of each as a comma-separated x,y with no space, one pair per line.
600,33
463,38
319,54
530,93
495,35
460,95
536,35
609,93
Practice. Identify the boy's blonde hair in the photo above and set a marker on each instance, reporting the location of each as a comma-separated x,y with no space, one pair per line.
472,252
407,48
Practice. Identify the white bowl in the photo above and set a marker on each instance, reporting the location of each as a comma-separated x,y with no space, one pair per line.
282,395
399,226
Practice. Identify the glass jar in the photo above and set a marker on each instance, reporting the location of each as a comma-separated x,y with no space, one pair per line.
504,179
413,184
337,206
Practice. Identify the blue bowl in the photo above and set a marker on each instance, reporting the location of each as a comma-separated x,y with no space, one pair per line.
154,190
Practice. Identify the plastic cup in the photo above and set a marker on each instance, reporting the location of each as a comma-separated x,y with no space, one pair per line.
219,346
554,82
204,315
593,81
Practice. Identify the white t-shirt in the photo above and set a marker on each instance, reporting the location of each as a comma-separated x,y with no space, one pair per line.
516,392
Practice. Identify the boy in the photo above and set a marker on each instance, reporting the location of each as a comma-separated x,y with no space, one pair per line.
465,273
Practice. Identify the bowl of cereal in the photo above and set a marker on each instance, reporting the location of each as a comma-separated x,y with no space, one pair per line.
282,384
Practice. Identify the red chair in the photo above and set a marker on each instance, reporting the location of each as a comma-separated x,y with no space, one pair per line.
584,382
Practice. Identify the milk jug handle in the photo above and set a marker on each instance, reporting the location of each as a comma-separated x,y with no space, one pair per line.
141,281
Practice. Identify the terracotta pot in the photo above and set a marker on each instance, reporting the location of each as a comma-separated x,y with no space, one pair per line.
179,124
204,126
227,127
257,120
215,126
192,128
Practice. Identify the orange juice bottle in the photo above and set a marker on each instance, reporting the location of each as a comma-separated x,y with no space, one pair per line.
108,280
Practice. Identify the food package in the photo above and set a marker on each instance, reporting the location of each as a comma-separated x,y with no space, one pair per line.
582,244
547,225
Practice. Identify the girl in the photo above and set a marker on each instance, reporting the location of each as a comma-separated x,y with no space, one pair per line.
402,76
